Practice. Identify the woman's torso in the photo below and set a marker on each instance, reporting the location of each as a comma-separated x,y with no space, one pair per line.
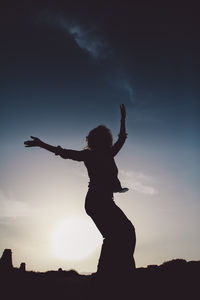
102,171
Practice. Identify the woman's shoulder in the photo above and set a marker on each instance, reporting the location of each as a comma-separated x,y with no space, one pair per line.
86,153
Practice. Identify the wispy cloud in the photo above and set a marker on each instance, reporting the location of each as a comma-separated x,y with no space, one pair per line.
10,207
138,182
129,89
121,81
85,37
87,40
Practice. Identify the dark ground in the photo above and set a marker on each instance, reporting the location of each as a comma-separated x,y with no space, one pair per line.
176,279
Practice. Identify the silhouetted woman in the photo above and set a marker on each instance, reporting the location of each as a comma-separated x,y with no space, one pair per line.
118,232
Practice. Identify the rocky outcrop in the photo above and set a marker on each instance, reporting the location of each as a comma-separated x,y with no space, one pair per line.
22,267
6,260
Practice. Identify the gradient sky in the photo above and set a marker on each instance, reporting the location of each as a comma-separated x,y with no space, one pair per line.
66,68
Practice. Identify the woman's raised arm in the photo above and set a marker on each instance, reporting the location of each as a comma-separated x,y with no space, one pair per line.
122,134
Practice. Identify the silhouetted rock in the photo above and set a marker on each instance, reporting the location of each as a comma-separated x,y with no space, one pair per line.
152,267
22,267
174,263
6,260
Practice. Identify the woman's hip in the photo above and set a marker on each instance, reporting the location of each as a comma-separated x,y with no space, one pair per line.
108,217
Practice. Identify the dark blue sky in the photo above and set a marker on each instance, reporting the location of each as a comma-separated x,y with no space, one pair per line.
143,55
66,67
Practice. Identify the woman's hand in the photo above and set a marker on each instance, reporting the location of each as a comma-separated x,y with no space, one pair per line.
123,111
35,142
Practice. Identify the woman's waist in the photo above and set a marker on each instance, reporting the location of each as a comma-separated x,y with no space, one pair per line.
112,185
99,193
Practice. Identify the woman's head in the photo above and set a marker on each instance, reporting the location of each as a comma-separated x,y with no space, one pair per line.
99,138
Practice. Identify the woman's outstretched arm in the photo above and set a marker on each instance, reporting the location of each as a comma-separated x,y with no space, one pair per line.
64,153
122,134
36,142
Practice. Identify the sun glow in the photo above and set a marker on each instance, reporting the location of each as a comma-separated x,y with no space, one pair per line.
75,238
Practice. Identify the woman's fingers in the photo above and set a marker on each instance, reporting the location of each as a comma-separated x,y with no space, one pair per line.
123,110
29,143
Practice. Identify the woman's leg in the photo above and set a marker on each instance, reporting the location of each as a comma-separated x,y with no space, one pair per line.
118,245
118,232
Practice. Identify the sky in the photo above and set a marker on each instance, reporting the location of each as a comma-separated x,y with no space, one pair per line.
65,69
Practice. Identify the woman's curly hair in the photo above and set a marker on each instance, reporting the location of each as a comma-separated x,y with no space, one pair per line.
99,138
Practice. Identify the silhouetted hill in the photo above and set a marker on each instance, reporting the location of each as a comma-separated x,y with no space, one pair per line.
175,279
